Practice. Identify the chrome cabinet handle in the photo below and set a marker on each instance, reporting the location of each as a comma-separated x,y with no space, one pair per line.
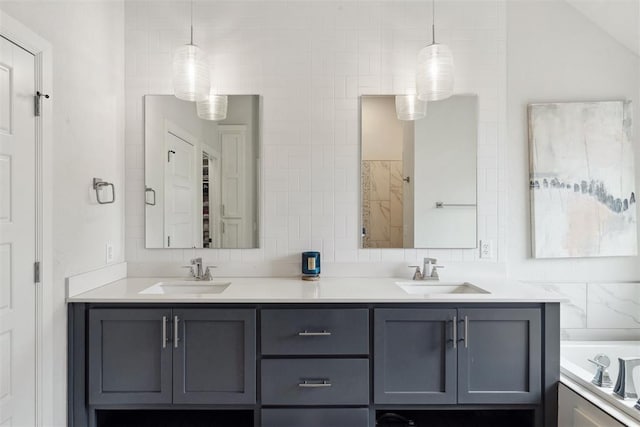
176,338
314,384
455,331
466,332
306,333
164,331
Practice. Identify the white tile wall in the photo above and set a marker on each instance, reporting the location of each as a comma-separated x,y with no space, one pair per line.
311,61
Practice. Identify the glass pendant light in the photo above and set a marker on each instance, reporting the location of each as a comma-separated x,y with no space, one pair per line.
214,107
434,75
190,71
409,107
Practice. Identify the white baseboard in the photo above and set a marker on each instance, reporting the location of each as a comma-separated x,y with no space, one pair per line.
84,282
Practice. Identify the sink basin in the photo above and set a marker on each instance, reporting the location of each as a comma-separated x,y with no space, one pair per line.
187,287
439,288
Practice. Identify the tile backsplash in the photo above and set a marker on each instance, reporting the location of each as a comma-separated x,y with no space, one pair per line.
310,61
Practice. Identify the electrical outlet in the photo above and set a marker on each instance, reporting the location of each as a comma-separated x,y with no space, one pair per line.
486,249
109,253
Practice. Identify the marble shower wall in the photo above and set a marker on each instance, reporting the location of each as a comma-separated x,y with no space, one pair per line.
382,203
599,311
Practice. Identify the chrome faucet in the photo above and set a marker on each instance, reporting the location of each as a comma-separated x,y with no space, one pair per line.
429,270
197,271
601,377
625,388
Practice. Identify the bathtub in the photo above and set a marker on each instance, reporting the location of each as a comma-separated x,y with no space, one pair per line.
576,373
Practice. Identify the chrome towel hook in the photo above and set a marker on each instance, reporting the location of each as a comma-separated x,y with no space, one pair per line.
98,184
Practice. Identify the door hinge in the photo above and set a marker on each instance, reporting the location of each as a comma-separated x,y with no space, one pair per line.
168,241
36,272
36,102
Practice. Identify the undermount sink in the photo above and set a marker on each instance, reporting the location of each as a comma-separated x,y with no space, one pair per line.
187,287
439,288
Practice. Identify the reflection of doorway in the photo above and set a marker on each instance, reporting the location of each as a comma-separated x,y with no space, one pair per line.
180,189
233,185
210,198
383,176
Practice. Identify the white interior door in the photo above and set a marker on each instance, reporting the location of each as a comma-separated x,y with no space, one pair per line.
17,236
180,192
233,139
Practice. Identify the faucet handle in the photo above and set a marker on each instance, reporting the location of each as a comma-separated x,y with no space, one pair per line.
417,275
196,261
207,272
434,271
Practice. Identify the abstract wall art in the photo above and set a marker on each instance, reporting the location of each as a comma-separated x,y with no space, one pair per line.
582,180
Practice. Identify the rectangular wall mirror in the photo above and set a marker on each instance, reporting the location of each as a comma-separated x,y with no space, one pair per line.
201,176
418,178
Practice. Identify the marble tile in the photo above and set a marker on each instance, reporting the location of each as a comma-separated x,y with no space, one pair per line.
379,226
395,196
396,237
573,314
380,180
613,305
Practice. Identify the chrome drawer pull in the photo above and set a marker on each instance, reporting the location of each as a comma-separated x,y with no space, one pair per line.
314,384
306,333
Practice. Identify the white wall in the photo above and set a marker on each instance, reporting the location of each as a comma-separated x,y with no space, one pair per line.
311,61
554,54
88,137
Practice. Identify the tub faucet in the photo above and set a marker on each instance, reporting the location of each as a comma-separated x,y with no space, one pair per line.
625,388
601,378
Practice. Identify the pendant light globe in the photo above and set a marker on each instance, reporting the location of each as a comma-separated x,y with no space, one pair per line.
409,107
191,73
434,74
213,108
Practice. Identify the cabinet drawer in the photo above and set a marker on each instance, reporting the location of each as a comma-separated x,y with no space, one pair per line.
315,382
315,332
315,417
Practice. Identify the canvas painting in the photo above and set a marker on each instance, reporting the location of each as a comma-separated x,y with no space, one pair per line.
582,180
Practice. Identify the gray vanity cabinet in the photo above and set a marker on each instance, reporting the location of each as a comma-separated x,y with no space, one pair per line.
499,357
414,356
214,359
180,356
495,359
129,356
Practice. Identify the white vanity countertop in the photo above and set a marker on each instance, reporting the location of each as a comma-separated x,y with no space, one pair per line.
327,290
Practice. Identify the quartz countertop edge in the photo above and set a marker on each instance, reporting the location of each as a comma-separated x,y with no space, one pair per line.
256,290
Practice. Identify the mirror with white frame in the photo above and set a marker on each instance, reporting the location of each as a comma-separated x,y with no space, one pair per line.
201,176
418,178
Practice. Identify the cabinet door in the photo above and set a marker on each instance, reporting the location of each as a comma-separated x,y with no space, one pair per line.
499,359
214,356
414,356
129,356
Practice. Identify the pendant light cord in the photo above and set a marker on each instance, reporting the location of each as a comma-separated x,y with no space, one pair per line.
433,22
191,21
